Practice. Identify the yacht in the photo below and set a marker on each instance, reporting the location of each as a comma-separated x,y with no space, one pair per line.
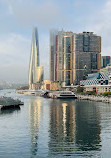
66,95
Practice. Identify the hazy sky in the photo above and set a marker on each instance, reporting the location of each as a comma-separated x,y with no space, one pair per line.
17,18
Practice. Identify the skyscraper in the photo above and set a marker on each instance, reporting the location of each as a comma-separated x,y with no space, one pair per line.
77,54
53,34
86,55
35,70
63,57
106,60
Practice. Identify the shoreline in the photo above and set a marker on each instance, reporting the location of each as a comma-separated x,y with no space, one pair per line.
94,98
104,99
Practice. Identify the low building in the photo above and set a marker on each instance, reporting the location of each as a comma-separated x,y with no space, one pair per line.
35,86
100,82
96,79
51,85
98,88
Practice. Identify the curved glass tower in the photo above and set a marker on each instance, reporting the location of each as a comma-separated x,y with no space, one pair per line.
34,57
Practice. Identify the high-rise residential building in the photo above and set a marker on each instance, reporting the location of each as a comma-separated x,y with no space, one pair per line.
106,60
63,71
76,56
53,34
35,70
86,55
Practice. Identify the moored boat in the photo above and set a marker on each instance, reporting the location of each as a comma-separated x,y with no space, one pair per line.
65,95
9,103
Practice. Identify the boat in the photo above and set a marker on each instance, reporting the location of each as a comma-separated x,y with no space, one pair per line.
9,103
65,95
45,94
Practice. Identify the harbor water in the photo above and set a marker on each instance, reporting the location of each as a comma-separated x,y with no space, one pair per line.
54,128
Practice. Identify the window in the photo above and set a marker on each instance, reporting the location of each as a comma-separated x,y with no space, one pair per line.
67,61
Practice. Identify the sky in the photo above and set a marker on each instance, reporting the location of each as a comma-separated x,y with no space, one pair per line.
18,17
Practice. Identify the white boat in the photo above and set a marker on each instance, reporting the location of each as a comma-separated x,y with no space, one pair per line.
66,95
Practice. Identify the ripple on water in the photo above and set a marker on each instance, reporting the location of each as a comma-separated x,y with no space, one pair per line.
55,128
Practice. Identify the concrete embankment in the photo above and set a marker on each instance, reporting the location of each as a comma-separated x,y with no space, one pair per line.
94,98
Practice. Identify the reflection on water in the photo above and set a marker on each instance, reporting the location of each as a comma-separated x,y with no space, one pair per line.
88,127
9,111
62,128
55,128
34,120
72,127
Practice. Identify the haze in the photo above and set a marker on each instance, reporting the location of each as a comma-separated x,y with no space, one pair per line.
19,16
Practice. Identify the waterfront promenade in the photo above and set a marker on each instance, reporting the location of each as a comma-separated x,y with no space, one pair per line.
94,98
98,98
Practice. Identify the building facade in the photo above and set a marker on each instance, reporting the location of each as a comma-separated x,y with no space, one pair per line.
39,71
63,69
76,56
53,34
86,52
106,60
101,82
35,70
51,85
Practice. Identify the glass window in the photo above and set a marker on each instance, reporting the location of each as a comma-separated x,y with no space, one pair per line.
94,57
67,45
67,61
67,77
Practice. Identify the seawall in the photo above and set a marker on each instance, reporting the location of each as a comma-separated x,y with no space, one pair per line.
94,98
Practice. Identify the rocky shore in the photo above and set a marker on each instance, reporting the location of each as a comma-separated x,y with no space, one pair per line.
94,98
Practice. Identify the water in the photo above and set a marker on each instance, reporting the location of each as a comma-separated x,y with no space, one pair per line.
55,128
